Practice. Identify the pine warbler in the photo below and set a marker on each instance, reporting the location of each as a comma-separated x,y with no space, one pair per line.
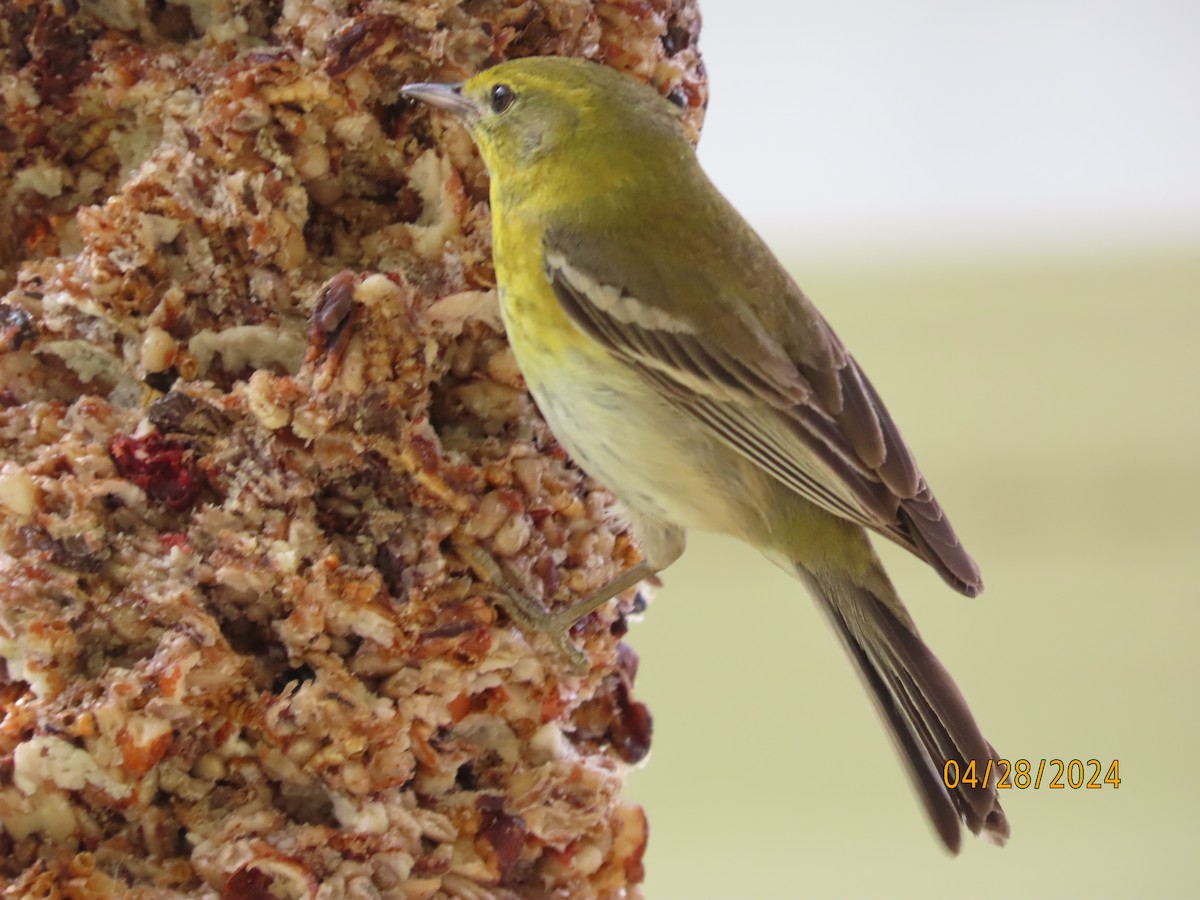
680,365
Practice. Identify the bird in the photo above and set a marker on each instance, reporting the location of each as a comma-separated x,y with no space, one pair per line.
679,364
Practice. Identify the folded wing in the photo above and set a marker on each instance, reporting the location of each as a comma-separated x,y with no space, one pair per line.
778,387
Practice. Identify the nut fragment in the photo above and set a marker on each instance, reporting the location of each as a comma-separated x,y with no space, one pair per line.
334,305
180,412
158,350
18,491
312,161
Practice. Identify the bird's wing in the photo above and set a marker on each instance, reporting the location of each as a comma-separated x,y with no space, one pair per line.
777,386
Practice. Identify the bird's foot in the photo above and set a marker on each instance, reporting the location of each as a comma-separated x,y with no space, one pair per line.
531,615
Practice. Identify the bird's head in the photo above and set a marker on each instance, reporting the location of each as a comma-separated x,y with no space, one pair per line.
533,117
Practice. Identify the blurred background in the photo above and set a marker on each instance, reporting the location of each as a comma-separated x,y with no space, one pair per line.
998,208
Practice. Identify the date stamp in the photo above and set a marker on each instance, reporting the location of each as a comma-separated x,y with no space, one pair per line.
1023,774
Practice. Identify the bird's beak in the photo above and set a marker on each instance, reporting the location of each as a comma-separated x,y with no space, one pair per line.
444,96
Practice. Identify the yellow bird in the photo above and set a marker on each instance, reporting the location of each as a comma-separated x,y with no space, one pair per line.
680,365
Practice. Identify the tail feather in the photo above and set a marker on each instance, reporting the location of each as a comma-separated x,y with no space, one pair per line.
926,714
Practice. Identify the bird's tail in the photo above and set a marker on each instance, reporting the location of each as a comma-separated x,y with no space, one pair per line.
925,713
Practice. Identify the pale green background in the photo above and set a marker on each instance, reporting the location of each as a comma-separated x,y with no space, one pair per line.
1053,407
998,208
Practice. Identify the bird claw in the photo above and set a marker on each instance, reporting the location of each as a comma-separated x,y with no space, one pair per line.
527,612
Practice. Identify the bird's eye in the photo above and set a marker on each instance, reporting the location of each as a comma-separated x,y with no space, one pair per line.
502,98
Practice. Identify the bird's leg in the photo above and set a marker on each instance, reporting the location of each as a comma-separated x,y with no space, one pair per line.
531,615
564,619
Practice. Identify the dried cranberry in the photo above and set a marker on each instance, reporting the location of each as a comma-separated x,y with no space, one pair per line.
632,726
248,884
614,716
164,469
505,833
